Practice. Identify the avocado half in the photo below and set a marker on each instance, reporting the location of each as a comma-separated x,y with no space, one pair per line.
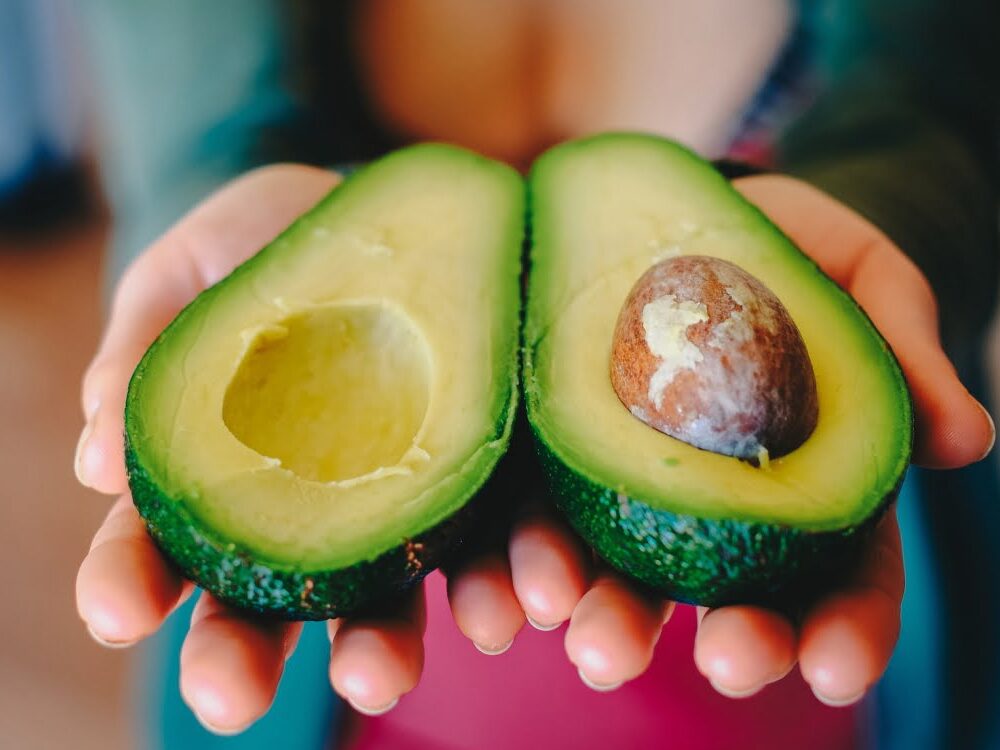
699,527
308,434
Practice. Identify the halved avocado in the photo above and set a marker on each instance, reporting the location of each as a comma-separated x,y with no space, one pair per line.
698,526
306,436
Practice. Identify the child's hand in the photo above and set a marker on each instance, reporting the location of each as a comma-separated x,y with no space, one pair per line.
230,663
843,645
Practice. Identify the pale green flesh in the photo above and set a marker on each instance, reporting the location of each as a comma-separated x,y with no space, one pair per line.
606,209
353,384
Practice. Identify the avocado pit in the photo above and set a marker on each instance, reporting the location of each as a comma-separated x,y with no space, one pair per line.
706,353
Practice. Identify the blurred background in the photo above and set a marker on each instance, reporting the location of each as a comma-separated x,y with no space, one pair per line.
116,116
57,688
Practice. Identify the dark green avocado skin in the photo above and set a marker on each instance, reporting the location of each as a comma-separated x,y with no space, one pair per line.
710,562
239,578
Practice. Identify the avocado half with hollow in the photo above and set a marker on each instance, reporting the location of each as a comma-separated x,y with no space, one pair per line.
696,525
307,435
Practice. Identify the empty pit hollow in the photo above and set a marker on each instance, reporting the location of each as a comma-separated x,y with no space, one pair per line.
333,393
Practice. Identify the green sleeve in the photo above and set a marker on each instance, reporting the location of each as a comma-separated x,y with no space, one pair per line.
906,133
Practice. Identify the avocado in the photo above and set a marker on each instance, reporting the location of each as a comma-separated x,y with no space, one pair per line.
695,525
308,435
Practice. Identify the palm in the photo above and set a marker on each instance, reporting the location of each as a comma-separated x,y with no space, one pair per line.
231,664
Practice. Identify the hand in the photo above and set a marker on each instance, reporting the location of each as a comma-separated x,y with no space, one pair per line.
230,663
844,643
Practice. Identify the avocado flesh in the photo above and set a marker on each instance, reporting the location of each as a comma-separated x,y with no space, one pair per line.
304,435
698,526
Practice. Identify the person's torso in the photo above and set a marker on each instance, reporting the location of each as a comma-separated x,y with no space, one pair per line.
507,79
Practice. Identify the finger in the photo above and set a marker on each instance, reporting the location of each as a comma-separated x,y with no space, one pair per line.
741,649
846,641
124,588
484,604
612,633
549,570
375,660
231,665
832,234
953,429
199,250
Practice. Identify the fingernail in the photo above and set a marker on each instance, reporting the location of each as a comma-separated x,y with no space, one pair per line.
81,446
219,731
493,651
993,432
607,688
837,702
209,701
538,626
722,690
373,711
106,643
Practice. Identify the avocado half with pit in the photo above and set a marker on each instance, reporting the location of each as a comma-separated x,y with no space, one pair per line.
308,435
696,525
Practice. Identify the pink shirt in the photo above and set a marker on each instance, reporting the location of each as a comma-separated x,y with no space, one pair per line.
531,697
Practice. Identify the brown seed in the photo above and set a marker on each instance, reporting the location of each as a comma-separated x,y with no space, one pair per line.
705,353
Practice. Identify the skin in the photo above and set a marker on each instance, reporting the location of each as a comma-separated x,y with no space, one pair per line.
231,664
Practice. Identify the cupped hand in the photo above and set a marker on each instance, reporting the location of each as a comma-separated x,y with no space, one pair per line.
844,642
230,663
